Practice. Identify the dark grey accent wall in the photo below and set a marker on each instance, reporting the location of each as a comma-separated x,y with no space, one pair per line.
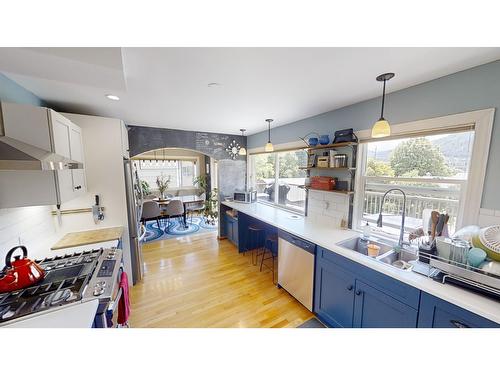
232,173
142,139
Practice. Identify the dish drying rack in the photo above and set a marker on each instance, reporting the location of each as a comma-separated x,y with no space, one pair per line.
463,274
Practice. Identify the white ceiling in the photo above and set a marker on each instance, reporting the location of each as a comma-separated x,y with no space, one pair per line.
168,87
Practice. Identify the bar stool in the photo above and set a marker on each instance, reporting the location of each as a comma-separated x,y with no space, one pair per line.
271,247
255,241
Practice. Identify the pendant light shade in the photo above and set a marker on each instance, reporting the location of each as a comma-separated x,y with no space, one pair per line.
382,128
243,150
269,146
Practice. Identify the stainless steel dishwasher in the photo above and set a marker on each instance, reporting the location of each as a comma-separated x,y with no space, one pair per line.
296,267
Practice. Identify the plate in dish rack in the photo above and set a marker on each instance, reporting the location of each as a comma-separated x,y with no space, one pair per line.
490,237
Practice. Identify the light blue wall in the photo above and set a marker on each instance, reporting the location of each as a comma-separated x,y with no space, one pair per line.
12,92
472,89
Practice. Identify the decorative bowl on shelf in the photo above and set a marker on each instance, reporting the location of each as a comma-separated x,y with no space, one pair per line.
313,141
324,139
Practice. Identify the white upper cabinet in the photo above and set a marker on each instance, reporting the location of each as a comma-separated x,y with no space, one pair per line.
61,133
50,131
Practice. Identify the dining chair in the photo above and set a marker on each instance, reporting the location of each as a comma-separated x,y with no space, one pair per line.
151,211
174,209
193,207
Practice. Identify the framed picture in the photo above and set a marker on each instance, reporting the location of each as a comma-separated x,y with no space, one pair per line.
311,161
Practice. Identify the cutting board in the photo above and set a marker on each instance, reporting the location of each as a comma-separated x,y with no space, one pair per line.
88,237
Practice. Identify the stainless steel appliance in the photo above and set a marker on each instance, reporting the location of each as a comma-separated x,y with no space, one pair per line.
296,267
249,196
69,279
134,211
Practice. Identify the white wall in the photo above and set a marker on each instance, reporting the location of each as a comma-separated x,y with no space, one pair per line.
39,230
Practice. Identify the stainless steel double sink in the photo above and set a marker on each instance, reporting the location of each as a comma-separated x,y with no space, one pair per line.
389,252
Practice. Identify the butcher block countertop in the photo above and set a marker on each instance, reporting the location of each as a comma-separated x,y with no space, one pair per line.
88,237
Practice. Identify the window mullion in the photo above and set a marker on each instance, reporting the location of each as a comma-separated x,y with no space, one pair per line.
276,177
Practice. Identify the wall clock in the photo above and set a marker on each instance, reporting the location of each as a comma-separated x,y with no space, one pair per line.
233,149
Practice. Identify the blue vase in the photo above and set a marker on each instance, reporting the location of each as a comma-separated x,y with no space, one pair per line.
313,141
324,139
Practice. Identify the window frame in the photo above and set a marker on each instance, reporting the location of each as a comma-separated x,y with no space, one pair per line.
469,209
179,161
251,179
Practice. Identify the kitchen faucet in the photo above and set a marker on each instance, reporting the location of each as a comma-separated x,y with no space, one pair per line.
379,220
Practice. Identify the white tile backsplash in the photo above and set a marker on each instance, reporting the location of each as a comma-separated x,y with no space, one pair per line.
29,226
328,206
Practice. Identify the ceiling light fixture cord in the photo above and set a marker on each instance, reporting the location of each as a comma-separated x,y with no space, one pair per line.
383,101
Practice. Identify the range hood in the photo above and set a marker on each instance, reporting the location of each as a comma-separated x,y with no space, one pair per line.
26,140
20,156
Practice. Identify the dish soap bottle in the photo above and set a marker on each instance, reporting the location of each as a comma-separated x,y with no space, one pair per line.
366,230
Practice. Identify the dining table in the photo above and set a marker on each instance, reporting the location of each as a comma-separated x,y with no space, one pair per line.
185,199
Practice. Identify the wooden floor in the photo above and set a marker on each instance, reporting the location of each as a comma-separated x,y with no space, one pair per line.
199,281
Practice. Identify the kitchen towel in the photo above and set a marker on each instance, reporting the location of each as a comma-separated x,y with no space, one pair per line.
124,303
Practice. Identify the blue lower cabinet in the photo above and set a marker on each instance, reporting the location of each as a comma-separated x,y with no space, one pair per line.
437,313
231,226
334,295
346,295
376,309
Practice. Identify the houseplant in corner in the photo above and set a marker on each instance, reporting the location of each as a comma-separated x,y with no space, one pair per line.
162,183
202,183
210,211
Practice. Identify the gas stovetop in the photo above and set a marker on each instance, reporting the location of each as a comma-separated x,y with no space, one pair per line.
69,279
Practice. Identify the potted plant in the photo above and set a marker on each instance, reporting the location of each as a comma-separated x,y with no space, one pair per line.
162,183
210,211
145,188
202,182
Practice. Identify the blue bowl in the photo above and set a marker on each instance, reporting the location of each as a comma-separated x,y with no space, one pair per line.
476,256
324,139
313,141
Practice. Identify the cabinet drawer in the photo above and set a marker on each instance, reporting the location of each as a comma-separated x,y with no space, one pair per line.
396,289
437,313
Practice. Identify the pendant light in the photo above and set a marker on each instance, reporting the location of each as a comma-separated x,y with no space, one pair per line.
269,146
382,128
243,150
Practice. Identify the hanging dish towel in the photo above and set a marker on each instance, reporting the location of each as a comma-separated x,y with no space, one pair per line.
124,303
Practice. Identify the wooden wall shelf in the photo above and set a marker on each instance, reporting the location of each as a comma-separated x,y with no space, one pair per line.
333,145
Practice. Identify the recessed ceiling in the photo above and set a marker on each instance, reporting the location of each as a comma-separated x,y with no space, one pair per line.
174,87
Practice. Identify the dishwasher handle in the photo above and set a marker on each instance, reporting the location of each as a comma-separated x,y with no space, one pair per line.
297,241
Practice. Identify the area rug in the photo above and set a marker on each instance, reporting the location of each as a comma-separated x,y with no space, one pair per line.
312,323
175,228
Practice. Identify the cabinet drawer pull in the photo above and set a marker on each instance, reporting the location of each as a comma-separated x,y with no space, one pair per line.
458,324
350,287
78,187
359,292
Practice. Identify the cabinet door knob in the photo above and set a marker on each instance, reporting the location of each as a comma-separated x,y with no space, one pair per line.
359,292
350,287
458,324
78,187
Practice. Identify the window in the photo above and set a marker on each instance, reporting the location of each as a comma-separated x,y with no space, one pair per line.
280,172
432,170
181,172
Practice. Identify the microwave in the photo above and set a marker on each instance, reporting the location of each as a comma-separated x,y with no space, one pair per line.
245,196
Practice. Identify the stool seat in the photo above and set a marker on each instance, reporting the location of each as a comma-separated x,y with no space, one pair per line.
271,246
255,240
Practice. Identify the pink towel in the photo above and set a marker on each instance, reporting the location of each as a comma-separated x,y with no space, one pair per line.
124,303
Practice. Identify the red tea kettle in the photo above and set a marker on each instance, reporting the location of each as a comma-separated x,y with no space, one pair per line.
20,272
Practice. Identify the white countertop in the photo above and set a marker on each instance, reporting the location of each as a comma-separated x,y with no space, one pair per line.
326,236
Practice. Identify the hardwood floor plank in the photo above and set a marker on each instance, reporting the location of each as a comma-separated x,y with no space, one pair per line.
199,281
